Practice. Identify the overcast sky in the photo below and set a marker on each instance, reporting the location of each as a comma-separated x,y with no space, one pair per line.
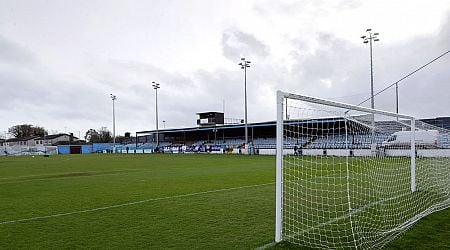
60,60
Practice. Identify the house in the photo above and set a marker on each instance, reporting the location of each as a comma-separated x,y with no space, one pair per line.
28,142
55,139
48,140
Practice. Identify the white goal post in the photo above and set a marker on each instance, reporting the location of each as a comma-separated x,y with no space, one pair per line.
346,175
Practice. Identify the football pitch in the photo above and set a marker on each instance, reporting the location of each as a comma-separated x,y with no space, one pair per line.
151,201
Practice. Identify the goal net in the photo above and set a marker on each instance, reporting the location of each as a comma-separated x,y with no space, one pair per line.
353,177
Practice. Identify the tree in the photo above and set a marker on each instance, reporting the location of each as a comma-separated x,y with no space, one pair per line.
91,136
26,130
103,135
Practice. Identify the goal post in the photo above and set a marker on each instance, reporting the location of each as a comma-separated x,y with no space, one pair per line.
279,167
347,176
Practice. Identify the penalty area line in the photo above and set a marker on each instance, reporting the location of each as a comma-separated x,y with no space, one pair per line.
132,203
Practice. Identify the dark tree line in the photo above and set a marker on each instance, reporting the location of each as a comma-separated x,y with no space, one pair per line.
26,131
102,135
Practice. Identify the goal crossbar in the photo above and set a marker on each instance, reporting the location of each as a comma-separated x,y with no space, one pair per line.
281,95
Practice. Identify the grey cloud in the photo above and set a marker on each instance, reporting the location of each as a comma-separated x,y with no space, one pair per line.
337,69
269,7
346,66
349,4
235,43
14,53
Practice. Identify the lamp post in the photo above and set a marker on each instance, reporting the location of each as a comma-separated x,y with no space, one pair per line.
4,143
396,98
244,65
43,143
215,136
164,124
113,98
156,87
370,38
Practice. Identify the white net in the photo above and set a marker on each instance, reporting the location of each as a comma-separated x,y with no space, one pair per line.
348,175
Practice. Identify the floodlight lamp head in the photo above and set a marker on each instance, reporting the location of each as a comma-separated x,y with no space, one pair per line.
363,37
365,41
376,39
155,85
242,58
368,30
376,34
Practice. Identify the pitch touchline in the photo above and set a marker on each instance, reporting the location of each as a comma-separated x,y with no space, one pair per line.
133,203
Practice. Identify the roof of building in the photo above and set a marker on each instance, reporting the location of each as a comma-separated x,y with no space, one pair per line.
237,126
22,139
51,137
273,123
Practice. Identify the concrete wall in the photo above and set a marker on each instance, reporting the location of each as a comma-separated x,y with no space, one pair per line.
63,149
87,149
101,146
434,153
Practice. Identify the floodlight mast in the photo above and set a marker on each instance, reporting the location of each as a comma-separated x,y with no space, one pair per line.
244,65
113,98
368,39
156,87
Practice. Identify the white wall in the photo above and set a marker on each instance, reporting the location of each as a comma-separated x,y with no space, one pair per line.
434,153
362,152
338,152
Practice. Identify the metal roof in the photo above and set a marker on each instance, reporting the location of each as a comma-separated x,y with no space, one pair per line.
237,126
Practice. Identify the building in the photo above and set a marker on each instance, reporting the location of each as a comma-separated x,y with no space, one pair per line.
27,142
442,122
48,140
261,135
210,119
55,139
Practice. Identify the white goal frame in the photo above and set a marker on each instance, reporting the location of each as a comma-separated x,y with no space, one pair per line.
279,145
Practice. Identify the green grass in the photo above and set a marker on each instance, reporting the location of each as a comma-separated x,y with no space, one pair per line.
236,218
161,201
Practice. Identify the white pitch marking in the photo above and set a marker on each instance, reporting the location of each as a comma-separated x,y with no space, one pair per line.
132,203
